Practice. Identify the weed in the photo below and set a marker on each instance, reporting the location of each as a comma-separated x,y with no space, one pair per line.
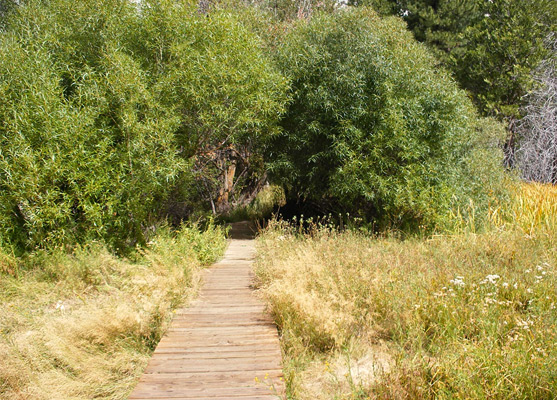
83,325
468,315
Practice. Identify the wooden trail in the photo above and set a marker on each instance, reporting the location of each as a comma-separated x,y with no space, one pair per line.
224,345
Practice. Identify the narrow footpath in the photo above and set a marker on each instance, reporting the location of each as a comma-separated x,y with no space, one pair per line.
224,345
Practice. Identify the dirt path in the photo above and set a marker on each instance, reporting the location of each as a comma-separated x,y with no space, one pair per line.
224,345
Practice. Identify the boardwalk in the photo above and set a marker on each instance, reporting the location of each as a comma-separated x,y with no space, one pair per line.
224,345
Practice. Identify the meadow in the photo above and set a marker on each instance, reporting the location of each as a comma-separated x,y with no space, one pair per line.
83,323
470,314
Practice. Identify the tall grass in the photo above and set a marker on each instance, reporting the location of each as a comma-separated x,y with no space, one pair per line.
533,209
83,325
470,315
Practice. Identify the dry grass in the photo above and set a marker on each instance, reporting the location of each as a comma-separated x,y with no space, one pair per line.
83,326
533,209
458,316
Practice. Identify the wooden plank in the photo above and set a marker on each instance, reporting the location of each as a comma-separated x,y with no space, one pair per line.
166,392
217,347
171,366
226,355
240,397
176,349
211,377
224,329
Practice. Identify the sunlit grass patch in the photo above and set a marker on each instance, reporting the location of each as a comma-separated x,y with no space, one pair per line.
534,207
83,325
465,316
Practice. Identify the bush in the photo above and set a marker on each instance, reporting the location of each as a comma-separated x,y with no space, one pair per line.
375,128
211,71
86,149
119,107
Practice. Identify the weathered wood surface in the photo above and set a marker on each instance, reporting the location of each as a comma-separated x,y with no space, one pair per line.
224,345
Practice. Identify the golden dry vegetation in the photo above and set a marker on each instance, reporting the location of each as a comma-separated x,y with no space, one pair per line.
83,325
467,315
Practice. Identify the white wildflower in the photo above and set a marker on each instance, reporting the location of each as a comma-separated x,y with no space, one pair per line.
458,281
524,324
492,278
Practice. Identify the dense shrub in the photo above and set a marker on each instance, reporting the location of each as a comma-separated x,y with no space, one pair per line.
86,150
108,108
374,128
212,73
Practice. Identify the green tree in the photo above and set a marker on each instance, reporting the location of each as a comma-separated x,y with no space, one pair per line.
500,52
373,127
492,47
226,93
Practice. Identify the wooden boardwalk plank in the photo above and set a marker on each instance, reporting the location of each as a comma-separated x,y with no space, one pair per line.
224,346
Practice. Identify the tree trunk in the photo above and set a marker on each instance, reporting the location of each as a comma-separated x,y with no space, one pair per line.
228,168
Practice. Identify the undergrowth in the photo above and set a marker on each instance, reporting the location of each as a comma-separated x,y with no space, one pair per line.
82,325
466,315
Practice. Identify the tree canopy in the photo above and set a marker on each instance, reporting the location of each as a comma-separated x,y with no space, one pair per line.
115,115
492,47
374,127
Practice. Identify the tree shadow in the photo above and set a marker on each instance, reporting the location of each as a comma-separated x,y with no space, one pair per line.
243,230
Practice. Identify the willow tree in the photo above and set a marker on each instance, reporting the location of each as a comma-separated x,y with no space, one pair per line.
375,128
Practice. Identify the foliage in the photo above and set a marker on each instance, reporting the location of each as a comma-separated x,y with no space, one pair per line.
459,316
501,51
374,128
121,107
492,47
83,325
86,149
439,24
5,7
211,71
536,153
